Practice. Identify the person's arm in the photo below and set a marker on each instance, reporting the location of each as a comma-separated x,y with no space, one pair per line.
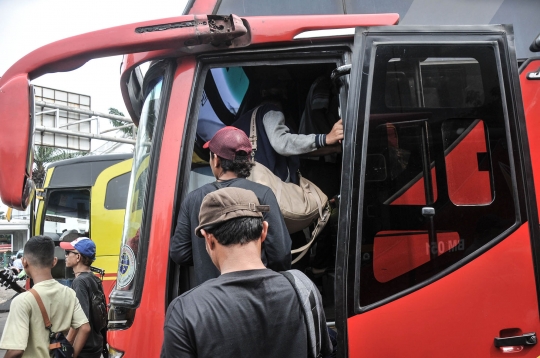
80,339
277,246
13,353
180,246
80,328
282,140
71,335
17,328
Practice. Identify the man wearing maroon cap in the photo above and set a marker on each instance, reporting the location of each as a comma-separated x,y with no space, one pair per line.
230,161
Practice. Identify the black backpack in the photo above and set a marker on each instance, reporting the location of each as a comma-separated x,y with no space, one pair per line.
98,311
98,307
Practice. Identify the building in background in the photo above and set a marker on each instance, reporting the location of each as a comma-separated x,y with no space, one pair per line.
65,120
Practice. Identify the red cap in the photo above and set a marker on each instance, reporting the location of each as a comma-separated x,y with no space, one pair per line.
227,141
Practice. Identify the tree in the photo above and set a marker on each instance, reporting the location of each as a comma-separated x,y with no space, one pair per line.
44,155
117,123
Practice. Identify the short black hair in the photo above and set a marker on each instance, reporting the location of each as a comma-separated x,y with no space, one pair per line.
237,231
39,251
87,261
241,165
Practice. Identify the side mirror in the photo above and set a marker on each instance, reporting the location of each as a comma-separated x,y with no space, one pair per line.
16,147
134,88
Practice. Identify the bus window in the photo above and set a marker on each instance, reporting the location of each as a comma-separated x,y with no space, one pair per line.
224,90
116,193
433,82
439,124
67,209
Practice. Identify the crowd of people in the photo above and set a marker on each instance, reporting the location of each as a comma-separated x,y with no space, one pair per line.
50,307
247,301
234,235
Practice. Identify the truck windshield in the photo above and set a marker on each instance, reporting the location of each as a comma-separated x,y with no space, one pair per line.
137,195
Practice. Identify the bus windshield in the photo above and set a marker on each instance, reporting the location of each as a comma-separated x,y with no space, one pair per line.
67,209
137,195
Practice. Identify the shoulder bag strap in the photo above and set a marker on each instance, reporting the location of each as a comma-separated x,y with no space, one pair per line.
253,132
321,223
289,275
46,320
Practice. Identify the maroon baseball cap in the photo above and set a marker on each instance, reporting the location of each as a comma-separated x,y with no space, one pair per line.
227,141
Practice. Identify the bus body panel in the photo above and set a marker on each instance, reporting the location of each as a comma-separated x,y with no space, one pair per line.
106,225
530,90
151,312
460,314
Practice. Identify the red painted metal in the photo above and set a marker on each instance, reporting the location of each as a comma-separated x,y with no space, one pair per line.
530,92
150,315
460,314
71,53
203,7
263,30
14,138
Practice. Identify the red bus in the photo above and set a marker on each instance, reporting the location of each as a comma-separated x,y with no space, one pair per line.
437,238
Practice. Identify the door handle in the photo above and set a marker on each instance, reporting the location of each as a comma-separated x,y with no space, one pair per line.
527,339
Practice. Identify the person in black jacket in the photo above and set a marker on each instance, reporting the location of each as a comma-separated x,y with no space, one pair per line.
80,253
230,160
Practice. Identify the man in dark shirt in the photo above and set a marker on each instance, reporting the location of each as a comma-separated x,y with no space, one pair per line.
248,311
230,161
80,253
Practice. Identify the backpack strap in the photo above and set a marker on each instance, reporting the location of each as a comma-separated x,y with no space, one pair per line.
253,132
46,320
310,312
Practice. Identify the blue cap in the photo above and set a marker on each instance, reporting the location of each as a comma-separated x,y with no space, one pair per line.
84,245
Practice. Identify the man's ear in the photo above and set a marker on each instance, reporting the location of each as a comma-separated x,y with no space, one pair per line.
24,262
209,240
55,261
217,160
264,231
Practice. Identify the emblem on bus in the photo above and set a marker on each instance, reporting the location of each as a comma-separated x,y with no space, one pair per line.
126,267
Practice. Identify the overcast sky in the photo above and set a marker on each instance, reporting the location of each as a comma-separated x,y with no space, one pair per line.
26,25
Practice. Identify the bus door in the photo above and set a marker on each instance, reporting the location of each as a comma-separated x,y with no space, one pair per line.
437,216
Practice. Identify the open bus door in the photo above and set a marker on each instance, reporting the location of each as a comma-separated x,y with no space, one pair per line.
438,223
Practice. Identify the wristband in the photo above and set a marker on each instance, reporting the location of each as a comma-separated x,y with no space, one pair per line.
320,140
